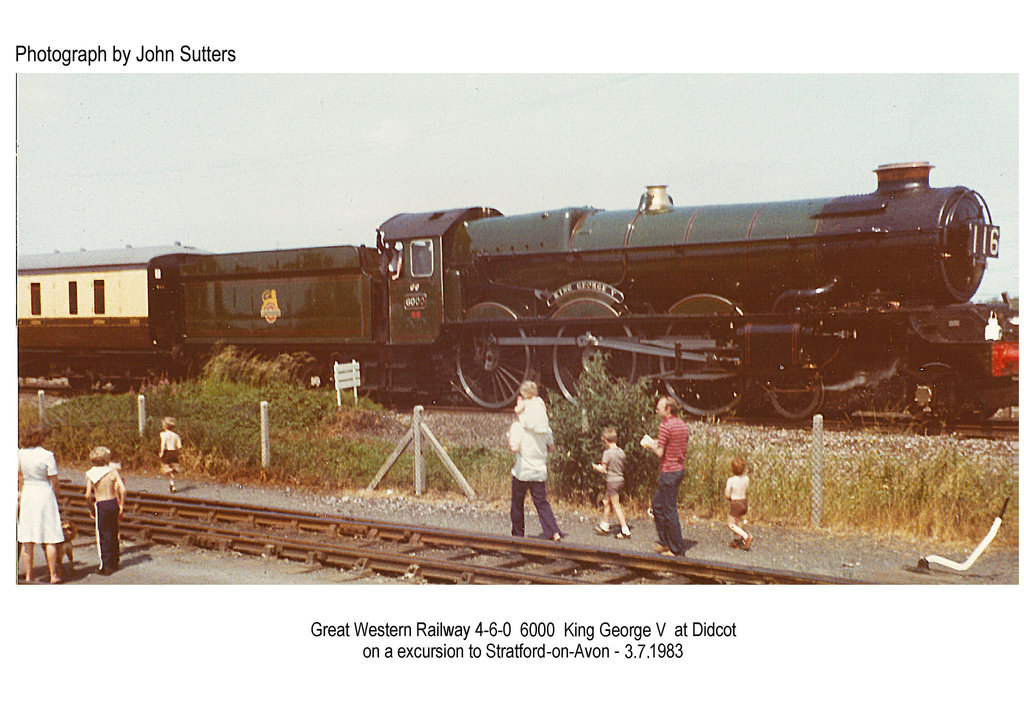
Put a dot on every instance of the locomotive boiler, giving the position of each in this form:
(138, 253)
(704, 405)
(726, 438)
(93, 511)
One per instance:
(906, 242)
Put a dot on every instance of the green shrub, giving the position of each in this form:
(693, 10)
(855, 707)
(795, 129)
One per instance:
(602, 401)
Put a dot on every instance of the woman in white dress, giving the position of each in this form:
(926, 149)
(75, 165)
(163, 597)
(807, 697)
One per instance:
(38, 515)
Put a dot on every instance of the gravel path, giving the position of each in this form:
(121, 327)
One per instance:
(855, 557)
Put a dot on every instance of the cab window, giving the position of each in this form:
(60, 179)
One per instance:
(421, 258)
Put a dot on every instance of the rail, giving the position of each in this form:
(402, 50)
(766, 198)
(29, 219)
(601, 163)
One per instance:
(414, 551)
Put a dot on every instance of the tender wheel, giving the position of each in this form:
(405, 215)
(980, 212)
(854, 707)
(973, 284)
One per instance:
(569, 361)
(798, 396)
(490, 374)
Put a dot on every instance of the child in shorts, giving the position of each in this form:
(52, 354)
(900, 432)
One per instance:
(105, 487)
(532, 412)
(736, 493)
(170, 450)
(612, 465)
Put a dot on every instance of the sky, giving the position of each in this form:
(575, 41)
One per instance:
(237, 162)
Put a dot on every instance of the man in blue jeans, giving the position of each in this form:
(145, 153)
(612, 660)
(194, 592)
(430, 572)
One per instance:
(673, 437)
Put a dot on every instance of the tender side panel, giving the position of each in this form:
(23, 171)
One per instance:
(287, 298)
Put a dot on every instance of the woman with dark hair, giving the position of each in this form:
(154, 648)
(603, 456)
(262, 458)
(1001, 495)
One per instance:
(38, 515)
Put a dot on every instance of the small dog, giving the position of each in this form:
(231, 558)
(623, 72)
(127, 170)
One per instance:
(65, 548)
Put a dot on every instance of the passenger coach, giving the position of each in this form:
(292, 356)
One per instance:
(107, 315)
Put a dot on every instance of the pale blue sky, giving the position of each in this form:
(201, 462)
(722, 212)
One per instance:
(260, 161)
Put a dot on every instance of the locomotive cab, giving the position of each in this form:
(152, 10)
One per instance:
(424, 284)
(415, 295)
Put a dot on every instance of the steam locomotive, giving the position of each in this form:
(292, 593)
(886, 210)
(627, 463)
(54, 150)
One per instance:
(783, 301)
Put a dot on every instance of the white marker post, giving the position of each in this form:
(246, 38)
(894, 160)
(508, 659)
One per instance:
(142, 414)
(817, 452)
(265, 434)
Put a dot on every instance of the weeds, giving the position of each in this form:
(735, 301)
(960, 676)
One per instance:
(946, 495)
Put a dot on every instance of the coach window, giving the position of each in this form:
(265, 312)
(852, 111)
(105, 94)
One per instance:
(421, 258)
(73, 298)
(99, 300)
(37, 299)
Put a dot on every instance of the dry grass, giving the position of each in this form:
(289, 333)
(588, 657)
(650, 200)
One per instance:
(932, 492)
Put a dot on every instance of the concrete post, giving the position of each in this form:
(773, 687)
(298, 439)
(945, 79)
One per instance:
(142, 415)
(42, 409)
(817, 452)
(265, 434)
(417, 448)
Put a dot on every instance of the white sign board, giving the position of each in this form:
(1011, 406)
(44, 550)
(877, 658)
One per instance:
(345, 376)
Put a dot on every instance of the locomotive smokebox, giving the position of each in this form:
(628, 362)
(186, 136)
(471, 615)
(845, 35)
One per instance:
(903, 176)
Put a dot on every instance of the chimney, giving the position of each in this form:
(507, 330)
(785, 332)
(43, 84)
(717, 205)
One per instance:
(902, 176)
(656, 199)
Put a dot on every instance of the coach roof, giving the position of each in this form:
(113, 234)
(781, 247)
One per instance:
(128, 256)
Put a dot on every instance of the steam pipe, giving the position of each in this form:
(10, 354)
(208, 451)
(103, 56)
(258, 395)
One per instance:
(805, 294)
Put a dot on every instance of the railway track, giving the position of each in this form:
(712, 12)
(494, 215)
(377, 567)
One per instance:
(416, 552)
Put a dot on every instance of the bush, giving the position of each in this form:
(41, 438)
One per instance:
(312, 441)
(602, 401)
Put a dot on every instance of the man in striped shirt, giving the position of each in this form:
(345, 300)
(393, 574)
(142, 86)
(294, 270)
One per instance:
(673, 436)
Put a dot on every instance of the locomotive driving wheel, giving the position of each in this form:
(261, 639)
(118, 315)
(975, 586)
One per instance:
(712, 388)
(797, 396)
(569, 361)
(490, 374)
